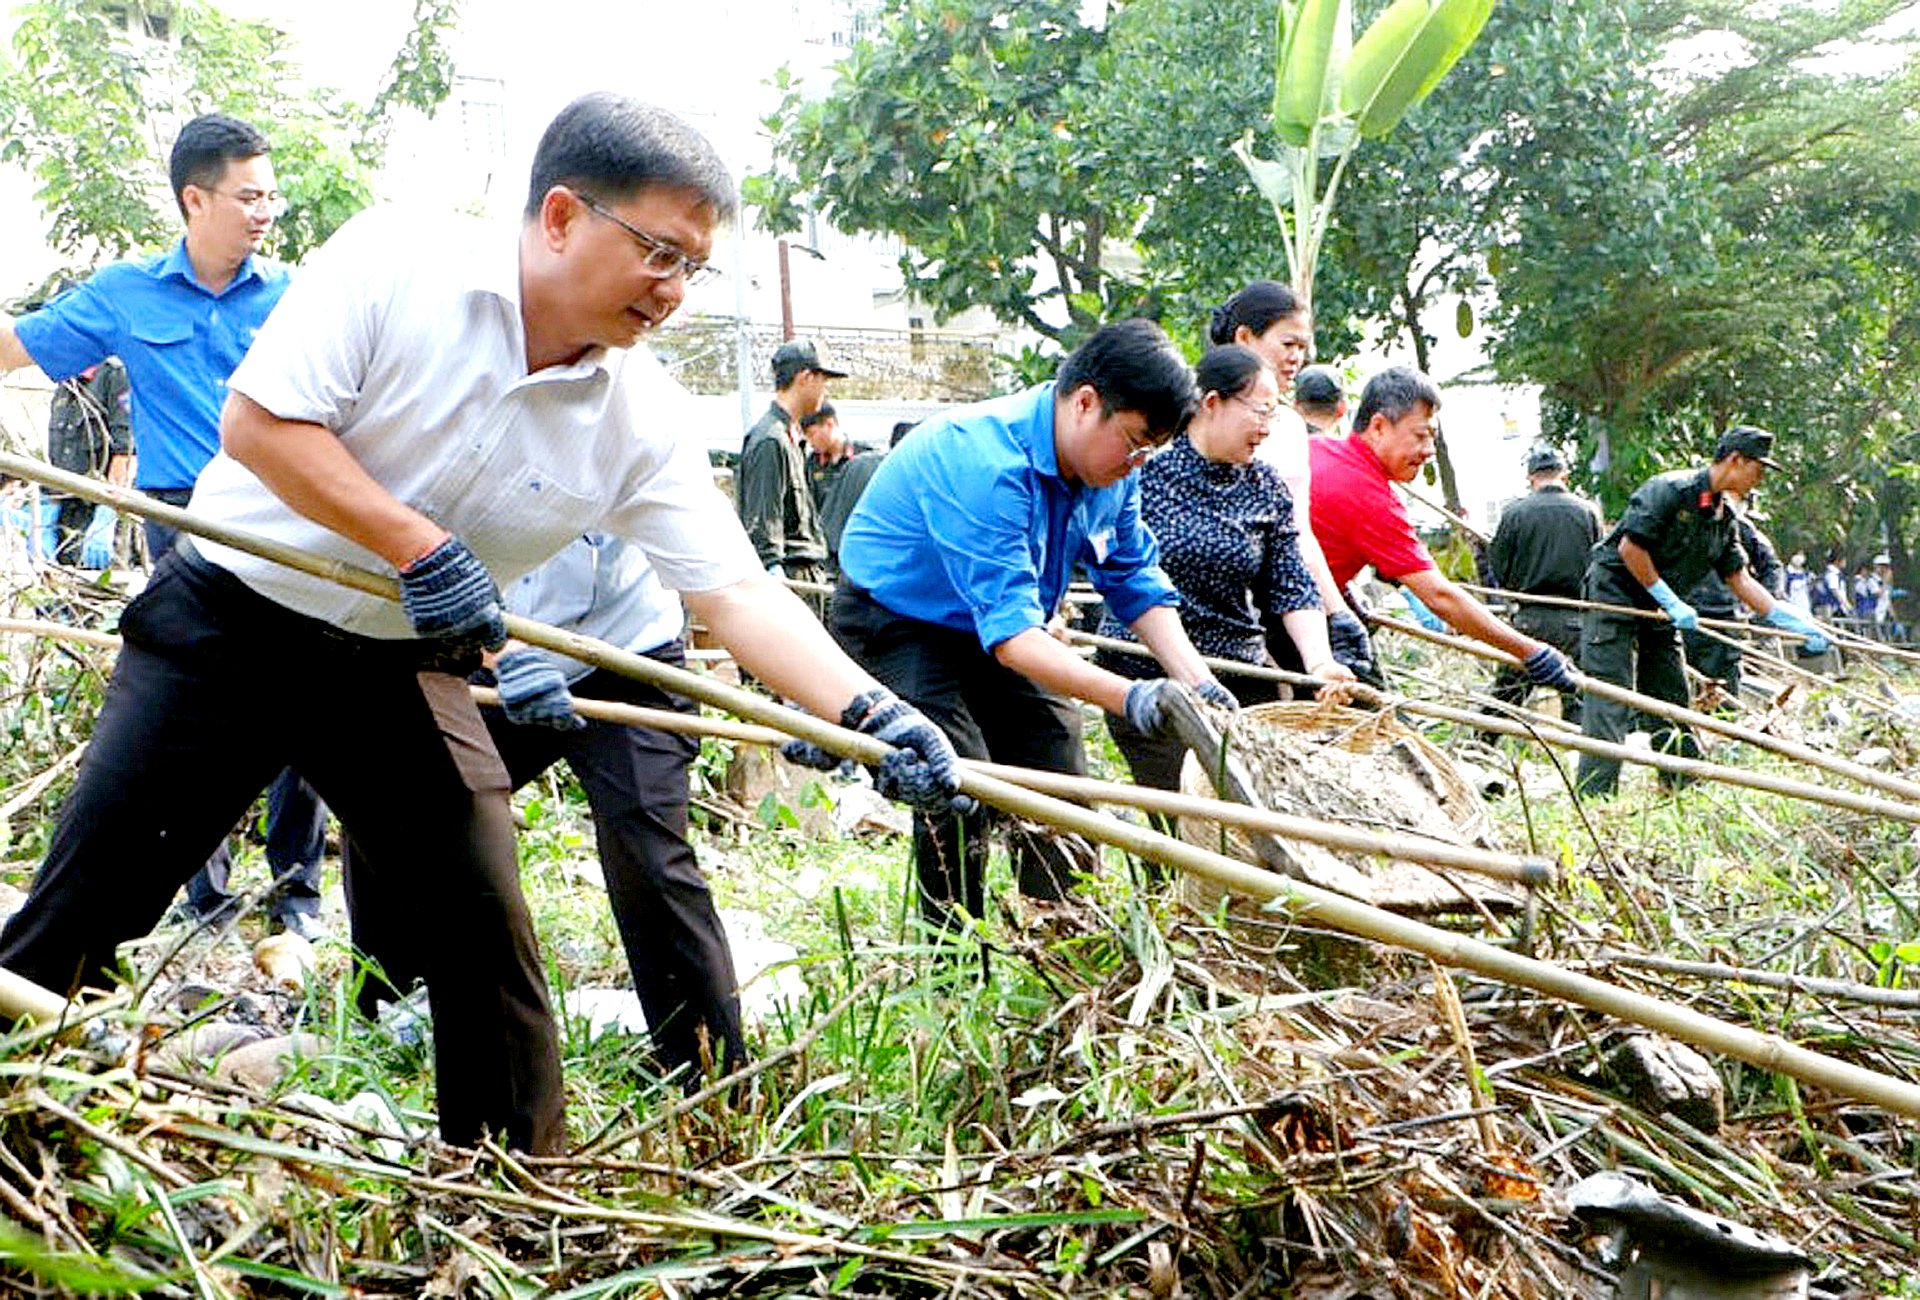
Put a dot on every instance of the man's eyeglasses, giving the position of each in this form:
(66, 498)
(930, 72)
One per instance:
(663, 261)
(1140, 445)
(1266, 413)
(271, 202)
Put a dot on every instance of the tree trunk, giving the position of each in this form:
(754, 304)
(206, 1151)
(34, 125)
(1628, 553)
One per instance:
(1896, 502)
(1411, 303)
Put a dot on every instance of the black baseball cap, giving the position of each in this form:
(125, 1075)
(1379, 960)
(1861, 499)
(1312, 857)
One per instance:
(796, 355)
(1751, 442)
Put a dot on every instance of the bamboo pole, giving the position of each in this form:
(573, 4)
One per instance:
(1818, 986)
(1570, 602)
(1304, 901)
(1178, 805)
(1679, 713)
(1410, 848)
(1555, 733)
(22, 999)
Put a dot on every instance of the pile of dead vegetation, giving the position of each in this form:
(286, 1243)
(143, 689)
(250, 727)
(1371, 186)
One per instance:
(1107, 1097)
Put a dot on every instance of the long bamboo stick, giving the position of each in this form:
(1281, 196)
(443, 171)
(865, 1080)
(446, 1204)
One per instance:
(1634, 611)
(1678, 713)
(1819, 986)
(1555, 733)
(1177, 805)
(1304, 901)
(1410, 848)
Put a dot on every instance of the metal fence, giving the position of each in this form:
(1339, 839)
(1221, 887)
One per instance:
(882, 364)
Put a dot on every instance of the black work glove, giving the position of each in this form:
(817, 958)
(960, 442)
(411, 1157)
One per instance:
(1548, 667)
(923, 771)
(533, 692)
(449, 596)
(1351, 645)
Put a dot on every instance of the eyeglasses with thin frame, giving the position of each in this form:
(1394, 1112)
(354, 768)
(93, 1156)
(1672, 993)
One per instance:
(1138, 447)
(272, 202)
(1266, 413)
(663, 261)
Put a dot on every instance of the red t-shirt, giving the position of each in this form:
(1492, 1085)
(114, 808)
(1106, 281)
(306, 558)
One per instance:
(1357, 516)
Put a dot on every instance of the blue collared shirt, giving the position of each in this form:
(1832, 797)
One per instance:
(179, 341)
(968, 524)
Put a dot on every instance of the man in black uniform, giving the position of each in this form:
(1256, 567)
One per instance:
(1678, 526)
(1715, 656)
(776, 505)
(1540, 549)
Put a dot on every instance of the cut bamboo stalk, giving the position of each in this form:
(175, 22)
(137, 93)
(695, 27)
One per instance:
(1410, 848)
(1678, 713)
(1846, 990)
(1634, 611)
(1303, 901)
(1555, 733)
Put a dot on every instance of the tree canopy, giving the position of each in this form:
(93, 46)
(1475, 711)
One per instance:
(88, 112)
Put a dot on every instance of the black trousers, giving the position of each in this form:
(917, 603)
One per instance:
(216, 690)
(1643, 655)
(1559, 628)
(1713, 656)
(296, 819)
(636, 781)
(988, 711)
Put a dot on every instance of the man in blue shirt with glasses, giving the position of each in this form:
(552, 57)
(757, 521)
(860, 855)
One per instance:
(181, 321)
(960, 551)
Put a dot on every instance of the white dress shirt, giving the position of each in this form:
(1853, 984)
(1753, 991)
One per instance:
(403, 336)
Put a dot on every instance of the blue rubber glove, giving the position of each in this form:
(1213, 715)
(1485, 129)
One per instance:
(1783, 615)
(449, 595)
(1683, 615)
(533, 692)
(48, 534)
(923, 771)
(1351, 644)
(96, 544)
(1548, 667)
(1421, 614)
(1212, 692)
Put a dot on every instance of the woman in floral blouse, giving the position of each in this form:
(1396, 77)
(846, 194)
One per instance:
(1225, 524)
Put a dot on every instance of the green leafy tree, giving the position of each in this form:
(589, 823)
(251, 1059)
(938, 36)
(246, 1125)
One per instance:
(957, 129)
(86, 111)
(1331, 91)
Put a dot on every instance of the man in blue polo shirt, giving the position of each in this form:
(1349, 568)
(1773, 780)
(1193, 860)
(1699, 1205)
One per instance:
(960, 551)
(180, 322)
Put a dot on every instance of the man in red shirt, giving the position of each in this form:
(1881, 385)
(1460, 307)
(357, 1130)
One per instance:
(1360, 519)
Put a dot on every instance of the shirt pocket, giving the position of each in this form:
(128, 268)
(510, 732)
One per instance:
(157, 329)
(525, 518)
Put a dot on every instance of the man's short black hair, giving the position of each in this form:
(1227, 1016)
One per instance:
(1394, 392)
(204, 148)
(821, 416)
(1134, 366)
(1318, 389)
(901, 428)
(612, 147)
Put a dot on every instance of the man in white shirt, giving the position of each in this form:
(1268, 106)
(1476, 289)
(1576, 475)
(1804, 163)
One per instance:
(453, 405)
